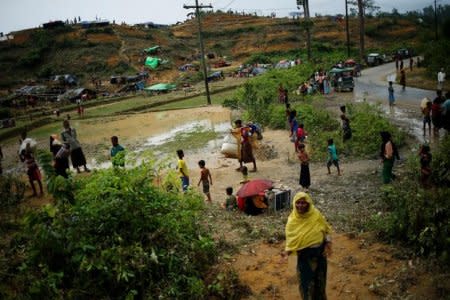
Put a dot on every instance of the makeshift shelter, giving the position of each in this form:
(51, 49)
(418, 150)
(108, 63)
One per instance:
(75, 94)
(216, 76)
(258, 71)
(152, 50)
(188, 67)
(152, 62)
(66, 79)
(132, 87)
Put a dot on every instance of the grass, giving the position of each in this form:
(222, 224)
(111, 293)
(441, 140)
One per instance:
(197, 138)
(198, 101)
(420, 79)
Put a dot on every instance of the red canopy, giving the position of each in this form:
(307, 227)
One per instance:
(350, 62)
(254, 187)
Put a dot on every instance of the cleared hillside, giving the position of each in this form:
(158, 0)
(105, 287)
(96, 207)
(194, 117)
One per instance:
(117, 49)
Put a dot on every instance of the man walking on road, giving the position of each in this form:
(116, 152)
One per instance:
(441, 79)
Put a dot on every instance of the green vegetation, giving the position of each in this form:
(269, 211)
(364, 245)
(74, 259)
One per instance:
(113, 235)
(259, 97)
(12, 191)
(418, 217)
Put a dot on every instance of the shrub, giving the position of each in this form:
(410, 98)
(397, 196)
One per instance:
(121, 237)
(5, 113)
(367, 121)
(12, 190)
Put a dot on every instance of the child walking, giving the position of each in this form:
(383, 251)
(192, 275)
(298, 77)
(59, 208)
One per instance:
(183, 170)
(305, 178)
(332, 157)
(205, 179)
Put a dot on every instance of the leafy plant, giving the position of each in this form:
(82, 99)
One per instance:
(120, 237)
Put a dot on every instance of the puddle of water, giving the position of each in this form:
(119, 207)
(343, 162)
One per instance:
(210, 152)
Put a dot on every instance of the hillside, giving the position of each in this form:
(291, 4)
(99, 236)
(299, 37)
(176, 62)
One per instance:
(117, 49)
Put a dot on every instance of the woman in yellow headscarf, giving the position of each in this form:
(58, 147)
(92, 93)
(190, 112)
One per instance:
(307, 233)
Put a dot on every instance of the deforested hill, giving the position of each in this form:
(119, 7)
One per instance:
(99, 52)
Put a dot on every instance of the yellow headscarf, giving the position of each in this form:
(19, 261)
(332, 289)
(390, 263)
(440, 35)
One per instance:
(305, 230)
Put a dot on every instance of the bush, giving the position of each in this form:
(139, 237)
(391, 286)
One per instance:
(121, 238)
(12, 190)
(5, 113)
(366, 122)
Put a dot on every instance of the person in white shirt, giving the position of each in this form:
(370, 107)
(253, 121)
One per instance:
(441, 79)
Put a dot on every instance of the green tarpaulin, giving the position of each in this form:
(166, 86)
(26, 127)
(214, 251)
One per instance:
(161, 87)
(152, 50)
(152, 62)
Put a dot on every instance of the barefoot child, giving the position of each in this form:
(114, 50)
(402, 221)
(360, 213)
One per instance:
(332, 157)
(205, 179)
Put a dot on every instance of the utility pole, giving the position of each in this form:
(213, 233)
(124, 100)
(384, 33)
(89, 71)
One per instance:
(305, 4)
(435, 21)
(347, 28)
(202, 48)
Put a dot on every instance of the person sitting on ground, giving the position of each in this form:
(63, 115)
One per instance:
(244, 171)
(230, 201)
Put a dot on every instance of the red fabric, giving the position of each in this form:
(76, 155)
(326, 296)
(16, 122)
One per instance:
(241, 203)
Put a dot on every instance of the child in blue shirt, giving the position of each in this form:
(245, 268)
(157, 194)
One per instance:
(332, 157)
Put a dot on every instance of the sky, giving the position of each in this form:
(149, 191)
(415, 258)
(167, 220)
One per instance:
(23, 14)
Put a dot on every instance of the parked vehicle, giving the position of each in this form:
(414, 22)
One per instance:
(403, 53)
(375, 59)
(342, 79)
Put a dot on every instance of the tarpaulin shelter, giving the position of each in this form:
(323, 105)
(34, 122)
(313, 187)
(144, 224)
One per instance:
(257, 71)
(152, 62)
(152, 50)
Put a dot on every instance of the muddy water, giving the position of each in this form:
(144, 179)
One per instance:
(137, 133)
